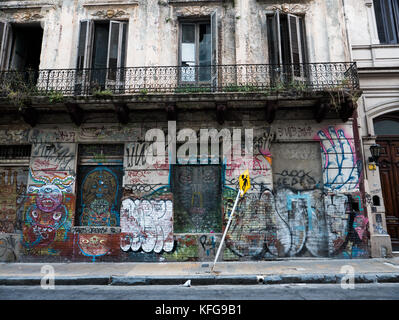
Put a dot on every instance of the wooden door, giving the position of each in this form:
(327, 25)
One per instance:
(389, 174)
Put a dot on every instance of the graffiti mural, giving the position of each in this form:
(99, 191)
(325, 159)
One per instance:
(99, 195)
(96, 246)
(48, 216)
(341, 168)
(147, 225)
(12, 194)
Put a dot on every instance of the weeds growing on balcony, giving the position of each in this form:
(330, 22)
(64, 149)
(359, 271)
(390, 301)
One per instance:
(19, 87)
(55, 96)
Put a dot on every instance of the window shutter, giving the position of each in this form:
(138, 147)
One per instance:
(85, 44)
(4, 48)
(295, 45)
(396, 14)
(214, 48)
(277, 56)
(116, 45)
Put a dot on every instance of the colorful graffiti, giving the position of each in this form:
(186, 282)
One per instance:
(341, 169)
(96, 246)
(285, 223)
(12, 193)
(147, 225)
(48, 217)
(99, 195)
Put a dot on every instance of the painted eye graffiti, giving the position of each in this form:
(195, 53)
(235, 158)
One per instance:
(57, 215)
(34, 214)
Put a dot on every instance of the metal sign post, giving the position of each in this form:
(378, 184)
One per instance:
(244, 183)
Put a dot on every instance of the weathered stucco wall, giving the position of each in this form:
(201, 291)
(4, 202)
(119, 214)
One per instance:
(304, 199)
(153, 30)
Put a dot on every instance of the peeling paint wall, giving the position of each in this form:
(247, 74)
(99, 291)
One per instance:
(304, 199)
(305, 175)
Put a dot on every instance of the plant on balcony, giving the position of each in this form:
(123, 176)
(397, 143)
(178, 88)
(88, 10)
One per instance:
(19, 88)
(192, 89)
(102, 94)
(241, 88)
(55, 96)
(340, 92)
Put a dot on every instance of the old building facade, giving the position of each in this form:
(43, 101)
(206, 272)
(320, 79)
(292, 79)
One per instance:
(88, 85)
(373, 27)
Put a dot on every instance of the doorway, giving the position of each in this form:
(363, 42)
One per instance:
(387, 130)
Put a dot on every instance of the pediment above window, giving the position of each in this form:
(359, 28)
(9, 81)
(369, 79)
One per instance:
(293, 8)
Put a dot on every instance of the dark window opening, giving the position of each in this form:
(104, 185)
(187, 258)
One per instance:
(387, 18)
(287, 47)
(101, 55)
(21, 46)
(15, 152)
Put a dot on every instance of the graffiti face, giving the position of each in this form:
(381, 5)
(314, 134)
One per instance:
(49, 198)
(45, 216)
(99, 191)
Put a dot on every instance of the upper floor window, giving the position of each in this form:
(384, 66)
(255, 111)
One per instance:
(198, 49)
(286, 34)
(20, 46)
(387, 16)
(102, 47)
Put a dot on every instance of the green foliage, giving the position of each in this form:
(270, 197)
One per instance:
(192, 89)
(55, 96)
(19, 88)
(102, 94)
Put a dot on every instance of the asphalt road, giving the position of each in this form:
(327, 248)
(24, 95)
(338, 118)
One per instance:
(386, 291)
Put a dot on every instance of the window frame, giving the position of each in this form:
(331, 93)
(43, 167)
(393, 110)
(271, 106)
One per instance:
(382, 23)
(275, 36)
(213, 22)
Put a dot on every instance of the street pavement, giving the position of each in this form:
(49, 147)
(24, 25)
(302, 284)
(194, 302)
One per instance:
(284, 271)
(215, 293)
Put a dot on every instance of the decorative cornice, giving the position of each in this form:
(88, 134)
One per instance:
(194, 11)
(110, 13)
(111, 4)
(289, 8)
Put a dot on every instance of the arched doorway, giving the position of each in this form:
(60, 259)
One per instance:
(386, 128)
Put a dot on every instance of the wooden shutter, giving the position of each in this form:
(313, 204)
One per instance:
(85, 44)
(214, 48)
(295, 44)
(116, 48)
(5, 35)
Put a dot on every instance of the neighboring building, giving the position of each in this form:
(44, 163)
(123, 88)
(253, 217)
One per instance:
(373, 27)
(85, 83)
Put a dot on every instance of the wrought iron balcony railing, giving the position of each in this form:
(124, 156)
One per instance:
(182, 79)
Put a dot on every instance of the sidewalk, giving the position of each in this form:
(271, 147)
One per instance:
(310, 270)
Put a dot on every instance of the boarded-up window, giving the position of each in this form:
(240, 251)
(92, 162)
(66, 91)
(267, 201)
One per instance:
(197, 198)
(297, 166)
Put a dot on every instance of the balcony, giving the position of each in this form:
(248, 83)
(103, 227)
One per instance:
(298, 85)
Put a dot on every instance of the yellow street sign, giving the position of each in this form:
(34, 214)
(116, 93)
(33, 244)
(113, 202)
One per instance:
(245, 183)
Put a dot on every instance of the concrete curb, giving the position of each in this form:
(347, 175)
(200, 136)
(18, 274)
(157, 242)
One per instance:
(180, 280)
(63, 281)
(203, 279)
